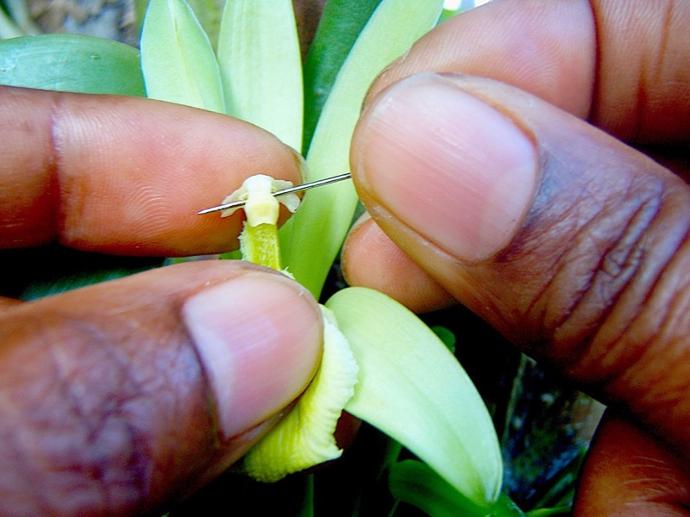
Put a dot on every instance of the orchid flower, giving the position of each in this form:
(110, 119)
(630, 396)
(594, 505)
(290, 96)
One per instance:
(398, 375)
(381, 363)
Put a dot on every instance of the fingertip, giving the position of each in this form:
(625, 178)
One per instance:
(259, 340)
(371, 259)
(526, 44)
(146, 360)
(628, 468)
(453, 168)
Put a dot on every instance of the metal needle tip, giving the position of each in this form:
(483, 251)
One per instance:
(296, 188)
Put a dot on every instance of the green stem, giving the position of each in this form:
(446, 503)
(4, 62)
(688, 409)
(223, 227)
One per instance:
(259, 245)
(514, 396)
(394, 508)
(307, 509)
(391, 455)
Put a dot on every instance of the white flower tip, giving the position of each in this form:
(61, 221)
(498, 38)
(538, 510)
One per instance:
(261, 206)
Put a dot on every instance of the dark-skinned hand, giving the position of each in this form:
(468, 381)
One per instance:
(500, 161)
(125, 396)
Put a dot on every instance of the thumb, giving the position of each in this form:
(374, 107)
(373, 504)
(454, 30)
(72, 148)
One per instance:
(570, 243)
(120, 397)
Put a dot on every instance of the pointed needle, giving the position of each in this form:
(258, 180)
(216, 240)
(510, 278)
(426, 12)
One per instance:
(290, 190)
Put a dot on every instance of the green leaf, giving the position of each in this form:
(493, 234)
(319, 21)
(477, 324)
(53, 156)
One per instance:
(311, 239)
(19, 10)
(259, 56)
(412, 388)
(177, 59)
(40, 289)
(414, 483)
(72, 63)
(447, 14)
(340, 24)
(549, 512)
(307, 508)
(208, 12)
(140, 7)
(446, 335)
(8, 29)
(37, 272)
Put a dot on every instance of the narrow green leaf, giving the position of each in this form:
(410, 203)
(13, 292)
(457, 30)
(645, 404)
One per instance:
(340, 24)
(177, 59)
(140, 7)
(506, 507)
(446, 335)
(22, 17)
(550, 512)
(307, 508)
(8, 29)
(33, 273)
(72, 63)
(208, 12)
(447, 14)
(311, 239)
(414, 483)
(260, 63)
(412, 388)
(40, 289)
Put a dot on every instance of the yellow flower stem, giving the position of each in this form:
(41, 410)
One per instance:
(259, 245)
(305, 436)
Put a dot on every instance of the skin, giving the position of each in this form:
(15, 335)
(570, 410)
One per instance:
(123, 396)
(597, 283)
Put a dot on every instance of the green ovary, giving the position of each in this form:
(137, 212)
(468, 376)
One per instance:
(304, 437)
(259, 245)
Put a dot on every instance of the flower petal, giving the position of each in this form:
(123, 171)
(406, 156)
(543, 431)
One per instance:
(305, 436)
(413, 389)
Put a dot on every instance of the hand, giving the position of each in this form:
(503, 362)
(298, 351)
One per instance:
(121, 397)
(499, 185)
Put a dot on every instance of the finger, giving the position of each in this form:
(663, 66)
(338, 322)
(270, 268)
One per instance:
(624, 64)
(570, 243)
(628, 472)
(371, 259)
(116, 398)
(6, 303)
(124, 175)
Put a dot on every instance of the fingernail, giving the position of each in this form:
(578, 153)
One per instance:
(259, 339)
(449, 166)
